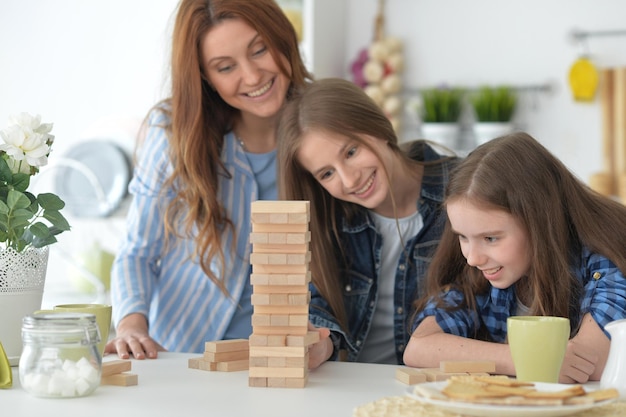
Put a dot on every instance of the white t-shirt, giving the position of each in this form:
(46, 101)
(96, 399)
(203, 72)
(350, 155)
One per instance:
(379, 346)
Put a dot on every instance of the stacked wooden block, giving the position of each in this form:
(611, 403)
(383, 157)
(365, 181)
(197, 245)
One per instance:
(223, 355)
(280, 280)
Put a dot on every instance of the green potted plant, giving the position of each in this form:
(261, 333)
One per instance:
(29, 223)
(440, 111)
(494, 108)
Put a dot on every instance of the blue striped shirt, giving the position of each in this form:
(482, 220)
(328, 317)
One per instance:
(603, 296)
(165, 283)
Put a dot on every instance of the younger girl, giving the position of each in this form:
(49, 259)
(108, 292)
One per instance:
(524, 237)
(375, 218)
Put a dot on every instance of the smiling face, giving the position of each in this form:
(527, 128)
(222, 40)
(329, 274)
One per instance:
(492, 241)
(347, 169)
(240, 67)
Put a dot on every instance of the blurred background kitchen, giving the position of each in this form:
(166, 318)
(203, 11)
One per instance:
(94, 68)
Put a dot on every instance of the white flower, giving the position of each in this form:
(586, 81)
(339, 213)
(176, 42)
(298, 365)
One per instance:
(32, 124)
(26, 142)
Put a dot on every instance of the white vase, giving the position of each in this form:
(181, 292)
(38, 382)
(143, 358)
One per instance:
(446, 134)
(22, 279)
(485, 131)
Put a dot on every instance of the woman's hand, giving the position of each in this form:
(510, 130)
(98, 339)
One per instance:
(132, 337)
(320, 351)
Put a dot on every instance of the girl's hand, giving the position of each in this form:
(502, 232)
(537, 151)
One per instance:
(322, 350)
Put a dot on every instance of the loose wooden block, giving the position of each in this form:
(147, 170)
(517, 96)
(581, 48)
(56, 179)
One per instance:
(124, 379)
(194, 363)
(115, 367)
(202, 364)
(410, 376)
(226, 345)
(435, 374)
(279, 206)
(226, 356)
(467, 366)
(233, 366)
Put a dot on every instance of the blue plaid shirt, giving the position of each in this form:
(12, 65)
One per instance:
(604, 297)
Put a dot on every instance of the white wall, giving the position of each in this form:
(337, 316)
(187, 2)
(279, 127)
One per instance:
(77, 62)
(93, 68)
(505, 41)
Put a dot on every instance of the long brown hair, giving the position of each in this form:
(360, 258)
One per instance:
(200, 118)
(337, 106)
(560, 214)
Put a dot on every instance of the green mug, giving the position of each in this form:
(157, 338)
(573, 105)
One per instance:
(103, 318)
(538, 345)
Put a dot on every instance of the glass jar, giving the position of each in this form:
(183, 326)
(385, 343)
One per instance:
(60, 357)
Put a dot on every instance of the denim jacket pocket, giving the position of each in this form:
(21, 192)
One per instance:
(422, 255)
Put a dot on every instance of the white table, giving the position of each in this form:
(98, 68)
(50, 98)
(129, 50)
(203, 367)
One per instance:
(168, 387)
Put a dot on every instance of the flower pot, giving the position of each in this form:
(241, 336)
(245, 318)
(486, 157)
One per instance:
(22, 279)
(485, 131)
(446, 134)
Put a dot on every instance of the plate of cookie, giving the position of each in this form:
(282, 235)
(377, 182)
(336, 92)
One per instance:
(497, 396)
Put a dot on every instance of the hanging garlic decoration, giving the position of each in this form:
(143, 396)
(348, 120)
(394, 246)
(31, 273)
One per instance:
(377, 70)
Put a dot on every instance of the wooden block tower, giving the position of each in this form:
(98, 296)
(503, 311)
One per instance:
(280, 280)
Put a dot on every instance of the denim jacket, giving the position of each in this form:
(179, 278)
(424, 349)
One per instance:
(362, 245)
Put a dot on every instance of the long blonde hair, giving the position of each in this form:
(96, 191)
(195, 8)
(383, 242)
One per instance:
(337, 106)
(200, 117)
